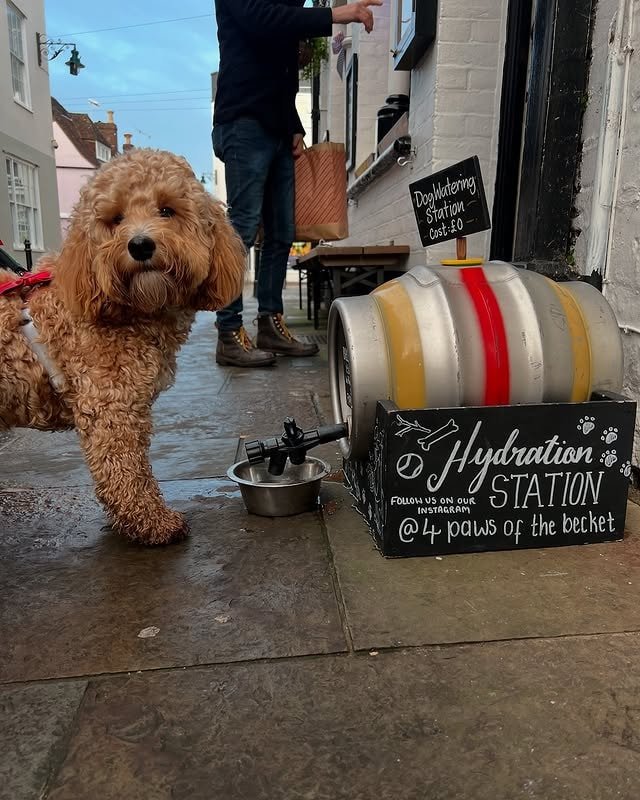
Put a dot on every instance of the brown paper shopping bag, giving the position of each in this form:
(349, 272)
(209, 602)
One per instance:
(321, 193)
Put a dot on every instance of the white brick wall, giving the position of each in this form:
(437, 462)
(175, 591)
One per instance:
(455, 110)
(623, 272)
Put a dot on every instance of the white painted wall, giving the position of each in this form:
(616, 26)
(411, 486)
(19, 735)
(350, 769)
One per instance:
(454, 114)
(373, 79)
(622, 288)
(304, 102)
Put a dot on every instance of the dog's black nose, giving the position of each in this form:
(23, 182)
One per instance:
(141, 248)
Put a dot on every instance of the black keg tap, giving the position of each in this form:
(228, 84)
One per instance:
(293, 444)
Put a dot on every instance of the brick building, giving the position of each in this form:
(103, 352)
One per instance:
(454, 110)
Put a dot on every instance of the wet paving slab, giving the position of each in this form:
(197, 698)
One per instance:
(479, 597)
(188, 442)
(36, 723)
(197, 423)
(556, 720)
(55, 459)
(79, 600)
(286, 658)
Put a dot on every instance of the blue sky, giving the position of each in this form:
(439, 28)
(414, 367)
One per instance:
(156, 78)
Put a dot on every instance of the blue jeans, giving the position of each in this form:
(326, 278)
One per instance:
(260, 187)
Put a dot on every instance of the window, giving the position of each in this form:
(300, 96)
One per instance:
(414, 24)
(351, 115)
(404, 18)
(17, 56)
(24, 202)
(103, 153)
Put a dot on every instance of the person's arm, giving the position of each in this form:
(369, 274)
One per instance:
(356, 12)
(267, 18)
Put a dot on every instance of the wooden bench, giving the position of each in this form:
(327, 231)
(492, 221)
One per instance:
(346, 270)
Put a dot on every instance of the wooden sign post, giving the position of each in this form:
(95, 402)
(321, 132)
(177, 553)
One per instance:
(451, 204)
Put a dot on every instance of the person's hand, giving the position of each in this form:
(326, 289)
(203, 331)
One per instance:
(298, 145)
(356, 12)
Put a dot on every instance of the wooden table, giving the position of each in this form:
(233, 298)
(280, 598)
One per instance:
(345, 269)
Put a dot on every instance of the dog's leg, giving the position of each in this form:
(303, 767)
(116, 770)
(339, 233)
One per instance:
(116, 447)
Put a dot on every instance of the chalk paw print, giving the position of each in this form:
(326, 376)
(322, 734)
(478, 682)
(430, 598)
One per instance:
(609, 458)
(609, 435)
(587, 424)
(625, 469)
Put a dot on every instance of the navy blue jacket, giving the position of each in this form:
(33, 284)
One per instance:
(258, 74)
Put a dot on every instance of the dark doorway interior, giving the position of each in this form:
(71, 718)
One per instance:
(512, 108)
(544, 87)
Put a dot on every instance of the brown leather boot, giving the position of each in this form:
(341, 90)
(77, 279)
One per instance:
(274, 335)
(235, 349)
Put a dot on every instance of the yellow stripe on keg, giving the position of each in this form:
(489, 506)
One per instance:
(403, 344)
(580, 344)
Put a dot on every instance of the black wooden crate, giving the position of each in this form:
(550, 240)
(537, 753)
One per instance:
(460, 480)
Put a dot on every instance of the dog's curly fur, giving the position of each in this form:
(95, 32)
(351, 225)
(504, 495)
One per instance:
(114, 325)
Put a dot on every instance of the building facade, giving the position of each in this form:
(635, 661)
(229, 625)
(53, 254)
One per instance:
(452, 83)
(608, 199)
(82, 146)
(28, 189)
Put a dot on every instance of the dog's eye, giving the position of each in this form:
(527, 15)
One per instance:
(165, 211)
(117, 219)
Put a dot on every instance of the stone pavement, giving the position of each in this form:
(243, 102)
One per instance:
(286, 659)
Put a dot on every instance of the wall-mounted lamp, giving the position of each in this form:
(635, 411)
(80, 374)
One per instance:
(48, 49)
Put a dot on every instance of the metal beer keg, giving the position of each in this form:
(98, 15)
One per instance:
(468, 336)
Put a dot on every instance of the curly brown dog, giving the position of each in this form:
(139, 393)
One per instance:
(146, 248)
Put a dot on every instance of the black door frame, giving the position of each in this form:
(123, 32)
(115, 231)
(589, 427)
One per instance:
(512, 108)
(545, 121)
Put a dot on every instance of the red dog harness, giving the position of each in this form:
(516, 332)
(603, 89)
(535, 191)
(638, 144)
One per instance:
(23, 285)
(26, 282)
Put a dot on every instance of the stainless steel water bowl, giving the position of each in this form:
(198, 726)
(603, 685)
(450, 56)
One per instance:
(293, 492)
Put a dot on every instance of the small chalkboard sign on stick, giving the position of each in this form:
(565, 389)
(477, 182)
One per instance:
(451, 204)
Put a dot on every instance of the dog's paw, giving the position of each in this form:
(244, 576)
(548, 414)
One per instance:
(164, 528)
(168, 528)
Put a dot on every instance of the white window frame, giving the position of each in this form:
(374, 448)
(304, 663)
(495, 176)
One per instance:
(103, 153)
(29, 202)
(414, 30)
(402, 17)
(19, 57)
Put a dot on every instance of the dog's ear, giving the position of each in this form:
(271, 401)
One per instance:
(227, 260)
(73, 273)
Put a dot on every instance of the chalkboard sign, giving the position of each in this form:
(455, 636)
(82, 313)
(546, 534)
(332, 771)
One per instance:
(456, 480)
(451, 203)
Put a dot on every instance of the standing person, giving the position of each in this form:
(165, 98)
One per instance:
(257, 133)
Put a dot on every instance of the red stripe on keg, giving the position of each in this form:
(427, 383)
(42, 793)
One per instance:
(494, 336)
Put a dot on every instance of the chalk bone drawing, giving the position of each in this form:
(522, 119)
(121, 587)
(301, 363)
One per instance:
(432, 436)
